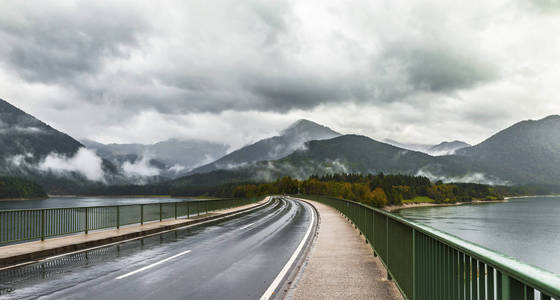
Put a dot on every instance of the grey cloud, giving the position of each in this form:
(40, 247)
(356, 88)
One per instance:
(55, 45)
(71, 46)
(437, 67)
(289, 91)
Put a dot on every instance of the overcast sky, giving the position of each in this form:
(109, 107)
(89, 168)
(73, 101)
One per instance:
(235, 71)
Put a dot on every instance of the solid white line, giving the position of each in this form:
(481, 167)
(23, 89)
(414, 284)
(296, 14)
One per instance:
(274, 285)
(153, 265)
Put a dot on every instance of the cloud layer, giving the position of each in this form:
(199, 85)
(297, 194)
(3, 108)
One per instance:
(236, 71)
(85, 162)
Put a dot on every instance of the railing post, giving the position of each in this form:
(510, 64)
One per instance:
(42, 224)
(188, 211)
(373, 230)
(141, 214)
(118, 217)
(387, 246)
(511, 289)
(86, 221)
(175, 210)
(414, 277)
(160, 211)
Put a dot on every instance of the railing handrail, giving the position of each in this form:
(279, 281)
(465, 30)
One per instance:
(121, 205)
(539, 278)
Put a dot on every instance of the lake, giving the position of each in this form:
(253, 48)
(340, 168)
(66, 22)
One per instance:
(57, 202)
(525, 228)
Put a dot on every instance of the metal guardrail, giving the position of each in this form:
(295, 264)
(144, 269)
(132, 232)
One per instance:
(429, 264)
(35, 224)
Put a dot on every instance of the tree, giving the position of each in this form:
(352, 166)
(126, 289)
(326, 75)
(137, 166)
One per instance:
(379, 197)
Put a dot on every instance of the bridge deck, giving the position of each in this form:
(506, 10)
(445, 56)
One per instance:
(341, 265)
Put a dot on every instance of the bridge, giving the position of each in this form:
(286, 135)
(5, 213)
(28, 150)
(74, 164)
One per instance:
(249, 249)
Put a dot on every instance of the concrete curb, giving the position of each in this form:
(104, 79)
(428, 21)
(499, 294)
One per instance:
(32, 257)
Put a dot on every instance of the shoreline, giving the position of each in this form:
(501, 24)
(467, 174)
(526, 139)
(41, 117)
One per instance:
(531, 196)
(393, 208)
(110, 196)
(23, 199)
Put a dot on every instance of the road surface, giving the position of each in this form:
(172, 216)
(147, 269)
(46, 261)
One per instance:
(232, 259)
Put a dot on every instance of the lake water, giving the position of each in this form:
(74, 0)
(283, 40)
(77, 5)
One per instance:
(57, 202)
(526, 228)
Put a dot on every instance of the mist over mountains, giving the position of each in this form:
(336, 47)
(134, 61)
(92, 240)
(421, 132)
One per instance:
(526, 153)
(33, 149)
(23, 134)
(290, 139)
(443, 148)
(350, 154)
(168, 158)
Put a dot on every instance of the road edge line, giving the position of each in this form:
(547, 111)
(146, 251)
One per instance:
(269, 293)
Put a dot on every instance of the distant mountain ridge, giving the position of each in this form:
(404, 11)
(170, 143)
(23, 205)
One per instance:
(290, 139)
(526, 152)
(172, 157)
(443, 148)
(409, 146)
(446, 148)
(343, 154)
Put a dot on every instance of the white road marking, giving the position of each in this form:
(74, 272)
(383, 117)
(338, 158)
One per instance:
(261, 221)
(274, 285)
(246, 226)
(153, 265)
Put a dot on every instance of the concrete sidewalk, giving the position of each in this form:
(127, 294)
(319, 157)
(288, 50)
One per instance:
(341, 265)
(30, 251)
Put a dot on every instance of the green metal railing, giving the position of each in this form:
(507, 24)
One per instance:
(428, 264)
(35, 224)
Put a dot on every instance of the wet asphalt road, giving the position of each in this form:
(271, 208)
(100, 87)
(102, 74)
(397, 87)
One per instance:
(232, 259)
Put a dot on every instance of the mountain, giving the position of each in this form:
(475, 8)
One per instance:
(343, 154)
(446, 148)
(34, 150)
(527, 152)
(171, 157)
(360, 154)
(289, 140)
(443, 148)
(356, 154)
(23, 134)
(414, 147)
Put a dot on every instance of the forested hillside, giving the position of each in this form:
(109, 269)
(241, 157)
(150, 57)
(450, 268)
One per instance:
(18, 188)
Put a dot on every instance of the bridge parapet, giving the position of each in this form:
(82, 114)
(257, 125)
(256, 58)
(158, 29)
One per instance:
(34, 224)
(426, 263)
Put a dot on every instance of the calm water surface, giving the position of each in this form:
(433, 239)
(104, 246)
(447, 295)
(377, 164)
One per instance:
(527, 229)
(56, 202)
